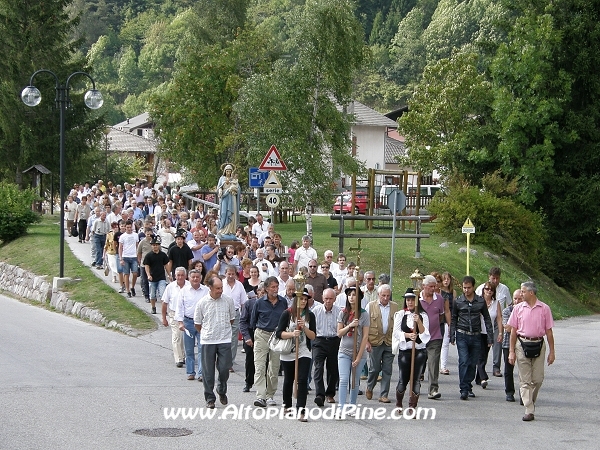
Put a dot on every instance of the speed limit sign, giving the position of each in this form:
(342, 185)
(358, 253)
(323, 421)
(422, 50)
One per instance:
(272, 200)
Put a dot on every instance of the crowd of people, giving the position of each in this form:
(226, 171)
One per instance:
(344, 323)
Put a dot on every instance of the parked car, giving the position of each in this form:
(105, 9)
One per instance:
(343, 203)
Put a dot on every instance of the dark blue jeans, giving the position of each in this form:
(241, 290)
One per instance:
(469, 348)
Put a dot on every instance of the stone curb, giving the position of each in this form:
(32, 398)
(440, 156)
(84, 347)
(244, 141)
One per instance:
(30, 286)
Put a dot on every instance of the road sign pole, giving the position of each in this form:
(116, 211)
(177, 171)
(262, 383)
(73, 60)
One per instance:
(468, 250)
(393, 237)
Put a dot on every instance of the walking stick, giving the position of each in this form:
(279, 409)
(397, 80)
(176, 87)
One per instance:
(412, 353)
(353, 370)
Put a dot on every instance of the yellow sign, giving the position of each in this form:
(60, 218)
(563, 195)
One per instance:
(468, 227)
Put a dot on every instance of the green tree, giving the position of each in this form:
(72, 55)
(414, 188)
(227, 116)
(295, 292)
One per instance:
(34, 35)
(194, 116)
(449, 126)
(301, 105)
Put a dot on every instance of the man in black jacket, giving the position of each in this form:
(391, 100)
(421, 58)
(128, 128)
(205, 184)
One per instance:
(465, 330)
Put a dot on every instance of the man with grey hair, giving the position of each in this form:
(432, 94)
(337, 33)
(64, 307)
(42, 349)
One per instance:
(369, 289)
(381, 313)
(435, 307)
(529, 322)
(169, 299)
(304, 254)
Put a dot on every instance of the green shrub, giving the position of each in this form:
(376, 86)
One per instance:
(15, 211)
(500, 222)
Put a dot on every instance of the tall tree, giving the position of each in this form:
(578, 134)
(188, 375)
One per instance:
(194, 115)
(35, 35)
(301, 106)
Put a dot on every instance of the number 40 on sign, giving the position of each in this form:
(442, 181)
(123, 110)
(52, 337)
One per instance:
(272, 200)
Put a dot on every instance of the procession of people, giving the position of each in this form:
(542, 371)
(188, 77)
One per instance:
(217, 279)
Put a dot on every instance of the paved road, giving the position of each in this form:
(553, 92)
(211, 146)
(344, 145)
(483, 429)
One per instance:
(70, 384)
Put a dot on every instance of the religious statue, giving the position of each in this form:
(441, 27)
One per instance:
(228, 190)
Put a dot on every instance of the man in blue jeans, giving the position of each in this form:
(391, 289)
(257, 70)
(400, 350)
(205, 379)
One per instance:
(465, 330)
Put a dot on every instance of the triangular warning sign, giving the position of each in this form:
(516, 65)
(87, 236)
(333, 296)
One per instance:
(272, 160)
(272, 181)
(468, 223)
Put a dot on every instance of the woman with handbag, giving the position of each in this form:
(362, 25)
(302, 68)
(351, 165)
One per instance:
(353, 329)
(297, 322)
(489, 295)
(110, 250)
(410, 328)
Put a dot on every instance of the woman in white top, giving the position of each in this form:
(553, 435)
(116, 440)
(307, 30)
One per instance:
(167, 235)
(489, 295)
(404, 337)
(297, 321)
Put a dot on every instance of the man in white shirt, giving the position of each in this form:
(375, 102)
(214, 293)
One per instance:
(184, 315)
(304, 254)
(234, 289)
(325, 348)
(504, 299)
(169, 303)
(128, 242)
(341, 273)
(284, 276)
(196, 244)
(213, 317)
(260, 226)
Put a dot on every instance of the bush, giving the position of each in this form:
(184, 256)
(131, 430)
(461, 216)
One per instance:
(500, 223)
(15, 211)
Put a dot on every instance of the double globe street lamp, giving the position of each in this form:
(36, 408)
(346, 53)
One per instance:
(31, 96)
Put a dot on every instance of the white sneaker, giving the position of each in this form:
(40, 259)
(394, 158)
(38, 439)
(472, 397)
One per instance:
(271, 402)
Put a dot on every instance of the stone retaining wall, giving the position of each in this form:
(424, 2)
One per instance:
(23, 283)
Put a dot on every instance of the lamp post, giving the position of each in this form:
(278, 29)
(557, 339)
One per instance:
(31, 96)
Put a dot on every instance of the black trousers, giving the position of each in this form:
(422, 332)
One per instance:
(325, 356)
(509, 369)
(249, 364)
(81, 228)
(481, 373)
(289, 371)
(404, 359)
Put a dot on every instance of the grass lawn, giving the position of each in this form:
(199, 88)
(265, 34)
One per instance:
(376, 255)
(38, 252)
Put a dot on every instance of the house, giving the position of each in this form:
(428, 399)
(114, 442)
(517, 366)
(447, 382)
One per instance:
(376, 138)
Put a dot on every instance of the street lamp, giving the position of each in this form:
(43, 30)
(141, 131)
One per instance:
(31, 96)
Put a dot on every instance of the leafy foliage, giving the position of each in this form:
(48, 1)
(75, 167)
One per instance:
(16, 214)
(501, 223)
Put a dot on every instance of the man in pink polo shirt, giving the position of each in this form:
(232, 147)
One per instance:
(530, 321)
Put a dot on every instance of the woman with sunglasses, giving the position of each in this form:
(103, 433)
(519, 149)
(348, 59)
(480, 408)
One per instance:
(489, 295)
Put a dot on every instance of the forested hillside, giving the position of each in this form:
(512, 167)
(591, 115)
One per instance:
(505, 87)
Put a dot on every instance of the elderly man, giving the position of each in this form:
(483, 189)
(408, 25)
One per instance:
(504, 299)
(529, 322)
(264, 320)
(184, 315)
(213, 318)
(260, 226)
(325, 348)
(369, 289)
(381, 358)
(100, 229)
(316, 280)
(234, 289)
(435, 307)
(169, 299)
